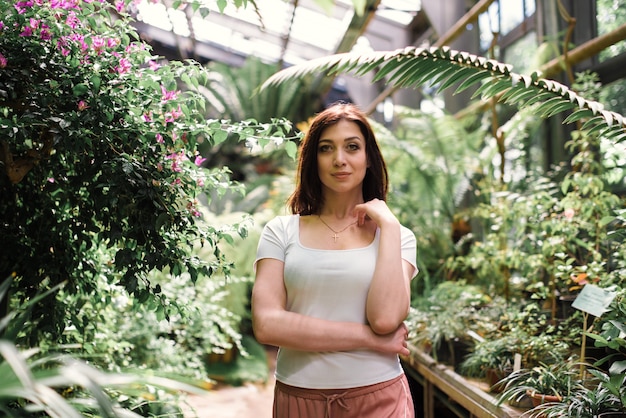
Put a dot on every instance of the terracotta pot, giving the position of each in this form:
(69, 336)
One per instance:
(540, 398)
(493, 378)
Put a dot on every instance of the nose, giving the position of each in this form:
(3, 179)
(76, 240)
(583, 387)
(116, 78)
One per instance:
(339, 159)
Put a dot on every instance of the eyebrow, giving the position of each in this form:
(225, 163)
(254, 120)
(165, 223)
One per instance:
(350, 138)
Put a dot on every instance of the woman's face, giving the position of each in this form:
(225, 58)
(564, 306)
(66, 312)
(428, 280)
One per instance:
(341, 157)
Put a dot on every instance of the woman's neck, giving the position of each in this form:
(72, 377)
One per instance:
(339, 209)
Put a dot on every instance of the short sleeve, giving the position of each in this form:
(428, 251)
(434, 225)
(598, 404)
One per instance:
(409, 249)
(273, 240)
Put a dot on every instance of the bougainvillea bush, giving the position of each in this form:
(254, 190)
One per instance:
(98, 157)
(100, 188)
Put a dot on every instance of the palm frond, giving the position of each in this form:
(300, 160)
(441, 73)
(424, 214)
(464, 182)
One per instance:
(413, 67)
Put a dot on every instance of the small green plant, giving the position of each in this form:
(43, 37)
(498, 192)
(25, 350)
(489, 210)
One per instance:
(61, 385)
(585, 401)
(447, 316)
(496, 355)
(612, 337)
(545, 380)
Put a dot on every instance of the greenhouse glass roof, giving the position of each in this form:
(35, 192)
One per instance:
(274, 30)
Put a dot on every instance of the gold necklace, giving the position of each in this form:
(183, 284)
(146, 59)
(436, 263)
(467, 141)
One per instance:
(335, 236)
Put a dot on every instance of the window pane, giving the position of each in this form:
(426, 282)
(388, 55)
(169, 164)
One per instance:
(511, 15)
(488, 24)
(610, 16)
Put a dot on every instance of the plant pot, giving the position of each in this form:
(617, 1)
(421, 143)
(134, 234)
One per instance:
(452, 351)
(493, 377)
(524, 403)
(540, 398)
(565, 305)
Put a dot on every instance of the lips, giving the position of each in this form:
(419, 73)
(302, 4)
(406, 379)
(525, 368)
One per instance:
(341, 175)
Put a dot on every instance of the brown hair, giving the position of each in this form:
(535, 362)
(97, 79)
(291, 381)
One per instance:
(307, 198)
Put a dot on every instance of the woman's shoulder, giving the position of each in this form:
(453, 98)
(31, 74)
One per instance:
(283, 222)
(283, 219)
(406, 233)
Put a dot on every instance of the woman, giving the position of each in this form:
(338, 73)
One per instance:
(333, 279)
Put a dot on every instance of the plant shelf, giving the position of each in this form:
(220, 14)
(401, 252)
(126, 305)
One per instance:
(439, 379)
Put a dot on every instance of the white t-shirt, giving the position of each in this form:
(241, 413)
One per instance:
(333, 285)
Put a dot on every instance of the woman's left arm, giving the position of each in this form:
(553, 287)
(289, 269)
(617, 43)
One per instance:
(389, 296)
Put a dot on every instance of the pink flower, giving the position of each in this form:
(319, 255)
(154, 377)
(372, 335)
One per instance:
(3, 61)
(192, 207)
(154, 65)
(45, 34)
(159, 139)
(72, 21)
(199, 160)
(98, 44)
(113, 42)
(168, 95)
(124, 66)
(64, 4)
(28, 31)
(569, 213)
(173, 115)
(177, 159)
(119, 6)
(21, 6)
(82, 105)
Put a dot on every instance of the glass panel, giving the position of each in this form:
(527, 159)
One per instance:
(488, 23)
(521, 53)
(609, 17)
(511, 15)
(529, 7)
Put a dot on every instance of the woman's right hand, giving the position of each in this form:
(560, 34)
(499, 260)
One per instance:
(395, 342)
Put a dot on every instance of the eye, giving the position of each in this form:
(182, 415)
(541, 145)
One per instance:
(324, 148)
(354, 146)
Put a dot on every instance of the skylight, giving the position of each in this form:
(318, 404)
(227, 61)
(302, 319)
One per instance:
(268, 32)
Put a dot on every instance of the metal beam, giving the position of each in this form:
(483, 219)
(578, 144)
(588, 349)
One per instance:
(454, 32)
(356, 28)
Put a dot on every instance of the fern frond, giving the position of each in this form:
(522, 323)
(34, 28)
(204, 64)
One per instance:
(443, 67)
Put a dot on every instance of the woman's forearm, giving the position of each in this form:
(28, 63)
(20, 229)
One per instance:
(388, 298)
(299, 332)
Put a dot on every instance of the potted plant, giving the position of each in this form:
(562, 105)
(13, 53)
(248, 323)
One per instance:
(612, 337)
(442, 324)
(491, 359)
(545, 383)
(615, 383)
(584, 402)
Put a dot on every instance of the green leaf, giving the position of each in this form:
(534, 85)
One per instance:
(80, 89)
(492, 88)
(219, 137)
(95, 82)
(455, 77)
(292, 149)
(204, 12)
(473, 79)
(161, 221)
(578, 115)
(554, 106)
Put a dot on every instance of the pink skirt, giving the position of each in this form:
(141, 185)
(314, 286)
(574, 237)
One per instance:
(390, 399)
